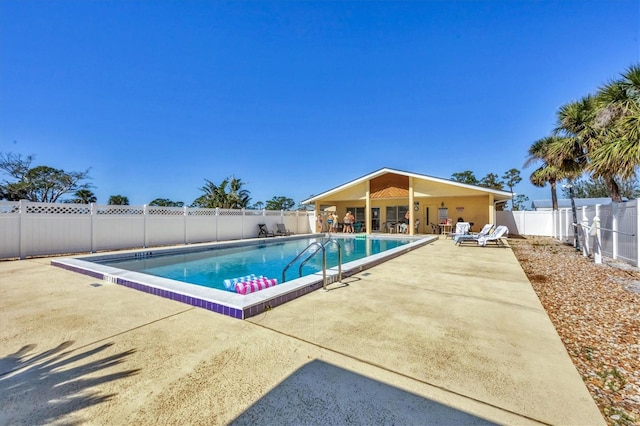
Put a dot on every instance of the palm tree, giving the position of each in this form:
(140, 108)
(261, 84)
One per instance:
(551, 170)
(217, 195)
(577, 123)
(619, 119)
(238, 198)
(84, 196)
(211, 197)
(118, 200)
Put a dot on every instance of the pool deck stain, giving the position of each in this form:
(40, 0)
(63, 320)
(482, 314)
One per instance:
(440, 335)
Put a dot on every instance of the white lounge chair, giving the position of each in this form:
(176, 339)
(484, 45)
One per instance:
(471, 237)
(462, 228)
(495, 236)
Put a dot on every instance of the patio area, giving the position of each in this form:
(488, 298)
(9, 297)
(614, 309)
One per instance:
(442, 334)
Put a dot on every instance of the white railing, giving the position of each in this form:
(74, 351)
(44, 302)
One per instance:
(39, 229)
(618, 224)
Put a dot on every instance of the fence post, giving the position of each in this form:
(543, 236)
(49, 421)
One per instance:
(614, 227)
(22, 211)
(244, 218)
(186, 216)
(597, 249)
(637, 236)
(144, 230)
(216, 216)
(92, 213)
(585, 231)
(560, 224)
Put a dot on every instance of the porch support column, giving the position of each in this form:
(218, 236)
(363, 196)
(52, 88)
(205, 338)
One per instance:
(492, 210)
(411, 212)
(367, 207)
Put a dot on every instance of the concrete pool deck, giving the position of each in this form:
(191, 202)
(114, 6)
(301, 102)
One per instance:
(442, 334)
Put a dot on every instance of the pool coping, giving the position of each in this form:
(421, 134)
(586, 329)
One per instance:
(220, 301)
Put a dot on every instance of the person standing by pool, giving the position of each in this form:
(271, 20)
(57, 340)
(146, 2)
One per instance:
(352, 218)
(404, 228)
(334, 216)
(347, 223)
(330, 222)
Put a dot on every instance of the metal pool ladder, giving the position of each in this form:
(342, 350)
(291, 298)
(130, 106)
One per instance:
(324, 260)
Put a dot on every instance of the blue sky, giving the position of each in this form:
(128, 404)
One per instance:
(296, 97)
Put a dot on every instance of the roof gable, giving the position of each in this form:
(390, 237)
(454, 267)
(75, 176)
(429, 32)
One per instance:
(388, 183)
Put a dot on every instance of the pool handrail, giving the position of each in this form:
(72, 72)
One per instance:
(333, 240)
(324, 270)
(324, 261)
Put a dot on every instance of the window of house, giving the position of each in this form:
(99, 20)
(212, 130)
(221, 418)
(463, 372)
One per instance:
(396, 213)
(358, 212)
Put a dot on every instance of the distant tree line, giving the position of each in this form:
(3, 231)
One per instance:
(510, 179)
(47, 184)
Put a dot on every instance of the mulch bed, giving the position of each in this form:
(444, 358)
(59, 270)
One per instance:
(596, 311)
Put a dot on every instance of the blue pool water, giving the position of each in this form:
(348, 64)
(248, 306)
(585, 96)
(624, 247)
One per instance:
(211, 267)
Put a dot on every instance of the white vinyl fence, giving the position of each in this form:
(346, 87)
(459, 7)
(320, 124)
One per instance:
(39, 229)
(618, 225)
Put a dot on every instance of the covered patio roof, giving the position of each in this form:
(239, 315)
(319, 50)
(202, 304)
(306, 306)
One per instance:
(390, 183)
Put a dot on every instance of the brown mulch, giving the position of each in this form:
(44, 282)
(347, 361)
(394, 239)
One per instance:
(596, 311)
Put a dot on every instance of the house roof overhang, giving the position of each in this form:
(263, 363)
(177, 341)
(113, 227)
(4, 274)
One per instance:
(424, 186)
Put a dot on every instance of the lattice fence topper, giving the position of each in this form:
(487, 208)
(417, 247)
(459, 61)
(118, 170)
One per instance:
(9, 207)
(273, 212)
(165, 211)
(124, 210)
(230, 212)
(201, 212)
(57, 208)
(253, 212)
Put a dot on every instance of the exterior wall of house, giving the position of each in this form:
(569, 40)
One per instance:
(471, 209)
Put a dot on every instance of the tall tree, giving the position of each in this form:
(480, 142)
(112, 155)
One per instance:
(280, 203)
(118, 200)
(491, 180)
(511, 179)
(519, 202)
(465, 177)
(40, 183)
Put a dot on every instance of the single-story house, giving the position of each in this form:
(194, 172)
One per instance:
(380, 200)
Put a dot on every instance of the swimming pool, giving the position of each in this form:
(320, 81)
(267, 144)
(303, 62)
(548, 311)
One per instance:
(105, 267)
(212, 266)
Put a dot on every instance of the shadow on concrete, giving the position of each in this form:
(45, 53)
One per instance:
(38, 388)
(324, 394)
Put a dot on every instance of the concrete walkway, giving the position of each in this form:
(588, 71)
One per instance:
(441, 335)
